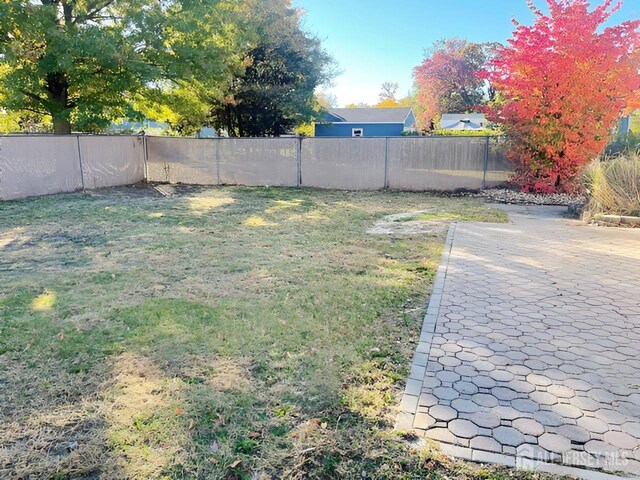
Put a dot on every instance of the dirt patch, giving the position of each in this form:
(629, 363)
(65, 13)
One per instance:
(402, 224)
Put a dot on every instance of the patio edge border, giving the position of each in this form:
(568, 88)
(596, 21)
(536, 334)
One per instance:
(408, 417)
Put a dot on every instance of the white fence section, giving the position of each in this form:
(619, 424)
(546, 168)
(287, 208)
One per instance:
(39, 165)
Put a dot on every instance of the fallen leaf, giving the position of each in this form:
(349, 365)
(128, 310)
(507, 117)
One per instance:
(254, 435)
(179, 411)
(192, 424)
(235, 464)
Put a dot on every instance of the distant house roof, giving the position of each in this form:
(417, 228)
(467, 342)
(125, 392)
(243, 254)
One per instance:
(463, 121)
(369, 115)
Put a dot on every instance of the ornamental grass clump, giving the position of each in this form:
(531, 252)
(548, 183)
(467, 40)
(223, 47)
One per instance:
(613, 186)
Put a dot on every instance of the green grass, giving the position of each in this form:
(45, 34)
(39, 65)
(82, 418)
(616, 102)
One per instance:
(219, 333)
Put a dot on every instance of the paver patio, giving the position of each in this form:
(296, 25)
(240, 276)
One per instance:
(531, 344)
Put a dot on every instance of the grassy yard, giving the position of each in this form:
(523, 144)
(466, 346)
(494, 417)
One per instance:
(215, 333)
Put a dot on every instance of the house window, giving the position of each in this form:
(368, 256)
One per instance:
(357, 132)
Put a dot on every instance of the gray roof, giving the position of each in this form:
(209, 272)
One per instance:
(371, 115)
(463, 121)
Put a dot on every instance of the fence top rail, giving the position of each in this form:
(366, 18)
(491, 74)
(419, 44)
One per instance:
(135, 135)
(69, 135)
(424, 137)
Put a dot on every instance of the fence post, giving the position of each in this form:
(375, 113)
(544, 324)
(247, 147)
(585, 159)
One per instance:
(386, 163)
(299, 162)
(485, 165)
(217, 140)
(80, 161)
(145, 157)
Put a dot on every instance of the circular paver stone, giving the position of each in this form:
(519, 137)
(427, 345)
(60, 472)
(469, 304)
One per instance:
(443, 412)
(543, 398)
(508, 413)
(445, 393)
(447, 376)
(567, 411)
(632, 428)
(508, 436)
(485, 400)
(463, 405)
(487, 444)
(561, 391)
(504, 393)
(449, 361)
(466, 356)
(549, 419)
(430, 382)
(485, 420)
(593, 425)
(519, 369)
(525, 405)
(451, 347)
(539, 380)
(467, 388)
(599, 448)
(484, 366)
(577, 384)
(574, 433)
(612, 417)
(521, 387)
(554, 443)
(463, 428)
(484, 381)
(585, 404)
(502, 375)
(466, 371)
(528, 426)
(427, 400)
(621, 440)
(601, 395)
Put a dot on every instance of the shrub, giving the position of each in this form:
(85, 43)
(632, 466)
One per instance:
(613, 185)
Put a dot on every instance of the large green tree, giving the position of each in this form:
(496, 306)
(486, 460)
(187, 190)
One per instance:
(284, 65)
(86, 62)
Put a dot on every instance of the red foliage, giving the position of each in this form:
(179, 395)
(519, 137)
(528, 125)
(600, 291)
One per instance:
(564, 83)
(447, 78)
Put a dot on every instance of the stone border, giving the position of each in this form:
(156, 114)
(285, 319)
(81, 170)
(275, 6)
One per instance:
(409, 404)
(618, 220)
(480, 456)
(409, 419)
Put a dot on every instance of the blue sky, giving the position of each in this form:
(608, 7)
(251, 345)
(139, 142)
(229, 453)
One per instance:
(374, 41)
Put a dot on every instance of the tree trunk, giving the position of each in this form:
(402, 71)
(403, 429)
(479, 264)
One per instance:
(61, 126)
(58, 93)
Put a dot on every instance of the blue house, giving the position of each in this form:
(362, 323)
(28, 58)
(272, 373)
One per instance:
(366, 122)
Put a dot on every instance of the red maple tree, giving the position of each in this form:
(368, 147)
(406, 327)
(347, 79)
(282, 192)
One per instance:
(563, 84)
(447, 79)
